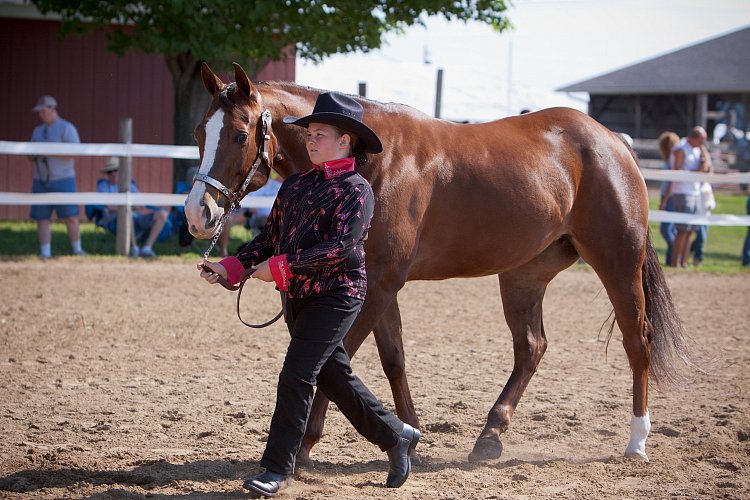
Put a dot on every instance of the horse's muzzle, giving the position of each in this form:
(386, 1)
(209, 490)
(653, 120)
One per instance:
(202, 212)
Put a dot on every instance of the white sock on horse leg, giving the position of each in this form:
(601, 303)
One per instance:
(639, 429)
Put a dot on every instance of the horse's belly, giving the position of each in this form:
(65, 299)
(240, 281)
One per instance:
(467, 254)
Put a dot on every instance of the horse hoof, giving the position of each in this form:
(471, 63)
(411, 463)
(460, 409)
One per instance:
(486, 449)
(636, 455)
(303, 461)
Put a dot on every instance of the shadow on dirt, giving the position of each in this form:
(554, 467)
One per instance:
(146, 475)
(156, 474)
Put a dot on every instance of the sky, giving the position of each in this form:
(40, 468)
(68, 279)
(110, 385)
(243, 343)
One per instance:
(489, 75)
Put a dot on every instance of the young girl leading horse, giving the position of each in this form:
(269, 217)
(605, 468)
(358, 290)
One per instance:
(312, 247)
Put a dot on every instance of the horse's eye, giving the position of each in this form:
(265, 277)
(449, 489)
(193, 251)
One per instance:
(240, 138)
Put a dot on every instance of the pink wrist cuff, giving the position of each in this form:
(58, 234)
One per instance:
(280, 271)
(234, 268)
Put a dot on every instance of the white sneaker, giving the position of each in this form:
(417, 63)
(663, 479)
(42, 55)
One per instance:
(80, 253)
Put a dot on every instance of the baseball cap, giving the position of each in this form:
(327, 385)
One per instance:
(46, 101)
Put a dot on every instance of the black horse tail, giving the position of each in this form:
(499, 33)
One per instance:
(670, 354)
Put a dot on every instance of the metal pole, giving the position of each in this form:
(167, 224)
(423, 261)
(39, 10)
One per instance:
(510, 73)
(362, 89)
(439, 92)
(124, 212)
(701, 109)
(638, 116)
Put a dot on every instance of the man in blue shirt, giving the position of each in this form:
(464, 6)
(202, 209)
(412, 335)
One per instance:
(54, 174)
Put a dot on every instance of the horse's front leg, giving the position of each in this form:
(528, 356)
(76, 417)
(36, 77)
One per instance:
(375, 302)
(389, 340)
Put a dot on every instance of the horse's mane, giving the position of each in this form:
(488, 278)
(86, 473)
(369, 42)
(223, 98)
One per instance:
(382, 107)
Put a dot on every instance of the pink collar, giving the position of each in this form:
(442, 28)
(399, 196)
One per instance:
(334, 168)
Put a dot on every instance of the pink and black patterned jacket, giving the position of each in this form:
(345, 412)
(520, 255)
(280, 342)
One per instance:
(315, 233)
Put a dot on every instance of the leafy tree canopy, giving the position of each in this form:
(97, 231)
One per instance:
(187, 32)
(222, 31)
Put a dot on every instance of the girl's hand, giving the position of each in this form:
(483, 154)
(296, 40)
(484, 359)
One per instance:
(211, 271)
(263, 272)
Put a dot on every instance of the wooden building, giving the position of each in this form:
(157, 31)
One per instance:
(94, 89)
(703, 84)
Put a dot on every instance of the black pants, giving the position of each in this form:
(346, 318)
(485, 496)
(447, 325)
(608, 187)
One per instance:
(316, 356)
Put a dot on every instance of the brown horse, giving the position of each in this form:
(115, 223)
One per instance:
(523, 197)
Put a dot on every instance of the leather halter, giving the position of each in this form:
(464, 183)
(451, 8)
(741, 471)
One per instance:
(234, 202)
(262, 157)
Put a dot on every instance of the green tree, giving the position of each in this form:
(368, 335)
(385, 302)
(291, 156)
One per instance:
(251, 32)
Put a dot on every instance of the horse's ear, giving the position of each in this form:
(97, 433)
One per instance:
(212, 82)
(243, 82)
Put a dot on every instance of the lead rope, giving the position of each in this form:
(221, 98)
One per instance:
(222, 221)
(246, 275)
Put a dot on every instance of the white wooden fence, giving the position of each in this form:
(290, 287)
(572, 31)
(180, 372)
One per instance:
(191, 152)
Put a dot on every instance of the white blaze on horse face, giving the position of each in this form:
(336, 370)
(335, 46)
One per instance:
(213, 133)
(639, 429)
(198, 197)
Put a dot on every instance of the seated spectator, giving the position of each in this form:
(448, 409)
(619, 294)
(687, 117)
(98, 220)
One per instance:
(177, 215)
(253, 218)
(149, 223)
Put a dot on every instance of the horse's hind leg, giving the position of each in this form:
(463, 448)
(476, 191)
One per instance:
(522, 292)
(620, 270)
(629, 304)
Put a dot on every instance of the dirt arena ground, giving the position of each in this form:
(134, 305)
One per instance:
(134, 379)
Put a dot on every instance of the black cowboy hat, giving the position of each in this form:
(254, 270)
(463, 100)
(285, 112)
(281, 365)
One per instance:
(339, 110)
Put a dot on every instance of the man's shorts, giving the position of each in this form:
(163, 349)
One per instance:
(142, 225)
(686, 204)
(42, 212)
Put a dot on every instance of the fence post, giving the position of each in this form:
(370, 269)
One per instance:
(124, 212)
(439, 92)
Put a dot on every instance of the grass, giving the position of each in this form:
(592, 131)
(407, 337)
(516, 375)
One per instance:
(723, 248)
(18, 240)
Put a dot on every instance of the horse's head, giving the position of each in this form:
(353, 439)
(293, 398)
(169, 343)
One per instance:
(236, 150)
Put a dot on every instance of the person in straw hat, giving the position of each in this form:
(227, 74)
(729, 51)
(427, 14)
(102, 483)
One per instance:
(150, 223)
(312, 247)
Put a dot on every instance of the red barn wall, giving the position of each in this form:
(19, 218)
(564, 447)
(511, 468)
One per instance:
(94, 89)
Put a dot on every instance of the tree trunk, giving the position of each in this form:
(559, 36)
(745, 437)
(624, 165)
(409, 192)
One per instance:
(190, 103)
